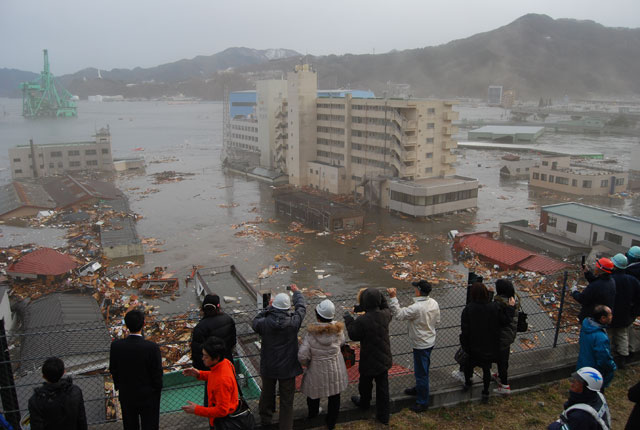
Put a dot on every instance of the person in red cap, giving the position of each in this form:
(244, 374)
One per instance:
(600, 291)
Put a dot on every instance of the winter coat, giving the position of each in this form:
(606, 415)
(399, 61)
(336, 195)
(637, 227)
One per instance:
(577, 419)
(222, 391)
(57, 406)
(627, 300)
(326, 373)
(600, 291)
(509, 323)
(422, 315)
(372, 330)
(595, 350)
(633, 269)
(481, 326)
(634, 419)
(220, 325)
(278, 330)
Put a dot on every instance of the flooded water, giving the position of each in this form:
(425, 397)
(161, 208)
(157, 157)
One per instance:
(187, 216)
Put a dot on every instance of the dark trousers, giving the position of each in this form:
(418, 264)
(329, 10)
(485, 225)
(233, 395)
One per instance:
(503, 366)
(421, 364)
(140, 410)
(267, 403)
(365, 386)
(332, 413)
(486, 372)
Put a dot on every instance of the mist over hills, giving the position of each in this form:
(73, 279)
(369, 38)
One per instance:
(535, 55)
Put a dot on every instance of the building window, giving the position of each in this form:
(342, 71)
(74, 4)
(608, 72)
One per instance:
(551, 178)
(105, 150)
(635, 242)
(74, 164)
(572, 227)
(536, 175)
(75, 152)
(604, 183)
(310, 170)
(90, 152)
(429, 139)
(586, 184)
(574, 182)
(51, 165)
(619, 181)
(431, 125)
(543, 176)
(552, 221)
(613, 238)
(431, 110)
(545, 163)
(16, 160)
(60, 165)
(18, 171)
(429, 154)
(428, 169)
(56, 153)
(561, 180)
(92, 162)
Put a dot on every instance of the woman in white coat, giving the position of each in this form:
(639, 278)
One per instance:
(326, 373)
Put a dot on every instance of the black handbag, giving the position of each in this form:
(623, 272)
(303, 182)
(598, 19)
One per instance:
(240, 419)
(349, 355)
(522, 319)
(461, 357)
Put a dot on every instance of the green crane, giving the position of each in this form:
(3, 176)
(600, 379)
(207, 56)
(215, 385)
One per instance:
(40, 98)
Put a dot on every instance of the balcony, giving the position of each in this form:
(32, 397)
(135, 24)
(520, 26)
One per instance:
(411, 124)
(411, 140)
(450, 116)
(449, 144)
(448, 158)
(410, 155)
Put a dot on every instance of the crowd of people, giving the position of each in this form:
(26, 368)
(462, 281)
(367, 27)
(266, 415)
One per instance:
(489, 325)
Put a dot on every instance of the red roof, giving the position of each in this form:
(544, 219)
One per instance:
(43, 261)
(499, 252)
(542, 264)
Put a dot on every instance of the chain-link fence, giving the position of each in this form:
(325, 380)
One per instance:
(85, 350)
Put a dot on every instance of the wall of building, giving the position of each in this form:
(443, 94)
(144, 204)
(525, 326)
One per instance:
(585, 232)
(21, 212)
(269, 100)
(424, 200)
(332, 179)
(123, 251)
(584, 184)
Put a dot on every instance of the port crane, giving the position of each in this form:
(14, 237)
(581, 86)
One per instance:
(41, 98)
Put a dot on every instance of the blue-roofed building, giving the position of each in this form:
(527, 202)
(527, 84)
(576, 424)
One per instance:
(590, 224)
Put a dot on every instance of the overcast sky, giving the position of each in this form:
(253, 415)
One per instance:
(128, 33)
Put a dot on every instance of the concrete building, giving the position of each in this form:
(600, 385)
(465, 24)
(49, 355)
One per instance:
(559, 174)
(494, 95)
(515, 167)
(38, 160)
(120, 241)
(129, 165)
(590, 225)
(506, 133)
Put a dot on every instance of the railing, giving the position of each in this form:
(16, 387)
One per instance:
(173, 333)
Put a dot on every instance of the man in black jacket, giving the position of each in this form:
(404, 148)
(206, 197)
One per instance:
(372, 330)
(213, 323)
(625, 308)
(600, 291)
(278, 329)
(136, 368)
(58, 403)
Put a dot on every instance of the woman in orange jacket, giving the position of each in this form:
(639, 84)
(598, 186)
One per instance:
(222, 388)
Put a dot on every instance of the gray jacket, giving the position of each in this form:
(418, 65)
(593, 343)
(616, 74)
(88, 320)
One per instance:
(278, 330)
(326, 373)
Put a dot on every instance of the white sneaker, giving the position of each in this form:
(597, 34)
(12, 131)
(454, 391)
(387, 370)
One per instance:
(503, 389)
(456, 374)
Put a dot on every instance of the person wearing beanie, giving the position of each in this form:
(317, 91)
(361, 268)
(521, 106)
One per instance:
(216, 323)
(625, 308)
(594, 344)
(326, 372)
(508, 331)
(600, 291)
(372, 330)
(278, 328)
(587, 408)
(422, 316)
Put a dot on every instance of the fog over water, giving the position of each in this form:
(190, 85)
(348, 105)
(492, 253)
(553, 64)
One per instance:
(187, 215)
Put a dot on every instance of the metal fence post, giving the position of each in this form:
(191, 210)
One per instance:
(7, 385)
(562, 293)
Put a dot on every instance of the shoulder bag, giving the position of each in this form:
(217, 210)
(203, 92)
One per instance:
(522, 318)
(349, 355)
(240, 419)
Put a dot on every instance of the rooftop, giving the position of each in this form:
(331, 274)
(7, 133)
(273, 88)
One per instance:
(43, 261)
(508, 129)
(436, 182)
(122, 232)
(597, 216)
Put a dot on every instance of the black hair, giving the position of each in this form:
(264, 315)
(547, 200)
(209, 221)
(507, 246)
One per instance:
(479, 293)
(600, 311)
(215, 347)
(504, 288)
(53, 369)
(321, 318)
(134, 320)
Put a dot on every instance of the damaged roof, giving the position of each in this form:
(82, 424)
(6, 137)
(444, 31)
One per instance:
(67, 191)
(20, 194)
(122, 232)
(43, 261)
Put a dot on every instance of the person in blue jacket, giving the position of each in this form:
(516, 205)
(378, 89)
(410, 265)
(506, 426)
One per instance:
(594, 344)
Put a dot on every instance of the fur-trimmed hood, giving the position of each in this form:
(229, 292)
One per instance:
(326, 328)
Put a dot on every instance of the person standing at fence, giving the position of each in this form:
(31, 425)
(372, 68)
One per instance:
(508, 331)
(594, 344)
(625, 308)
(422, 316)
(587, 407)
(372, 330)
(213, 323)
(480, 334)
(222, 387)
(278, 329)
(58, 403)
(600, 291)
(136, 367)
(326, 373)
(633, 258)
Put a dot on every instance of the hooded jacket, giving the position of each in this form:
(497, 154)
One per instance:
(509, 324)
(278, 330)
(595, 351)
(627, 300)
(57, 406)
(576, 418)
(372, 330)
(481, 324)
(326, 373)
(220, 325)
(600, 291)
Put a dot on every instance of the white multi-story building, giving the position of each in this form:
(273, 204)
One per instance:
(38, 160)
